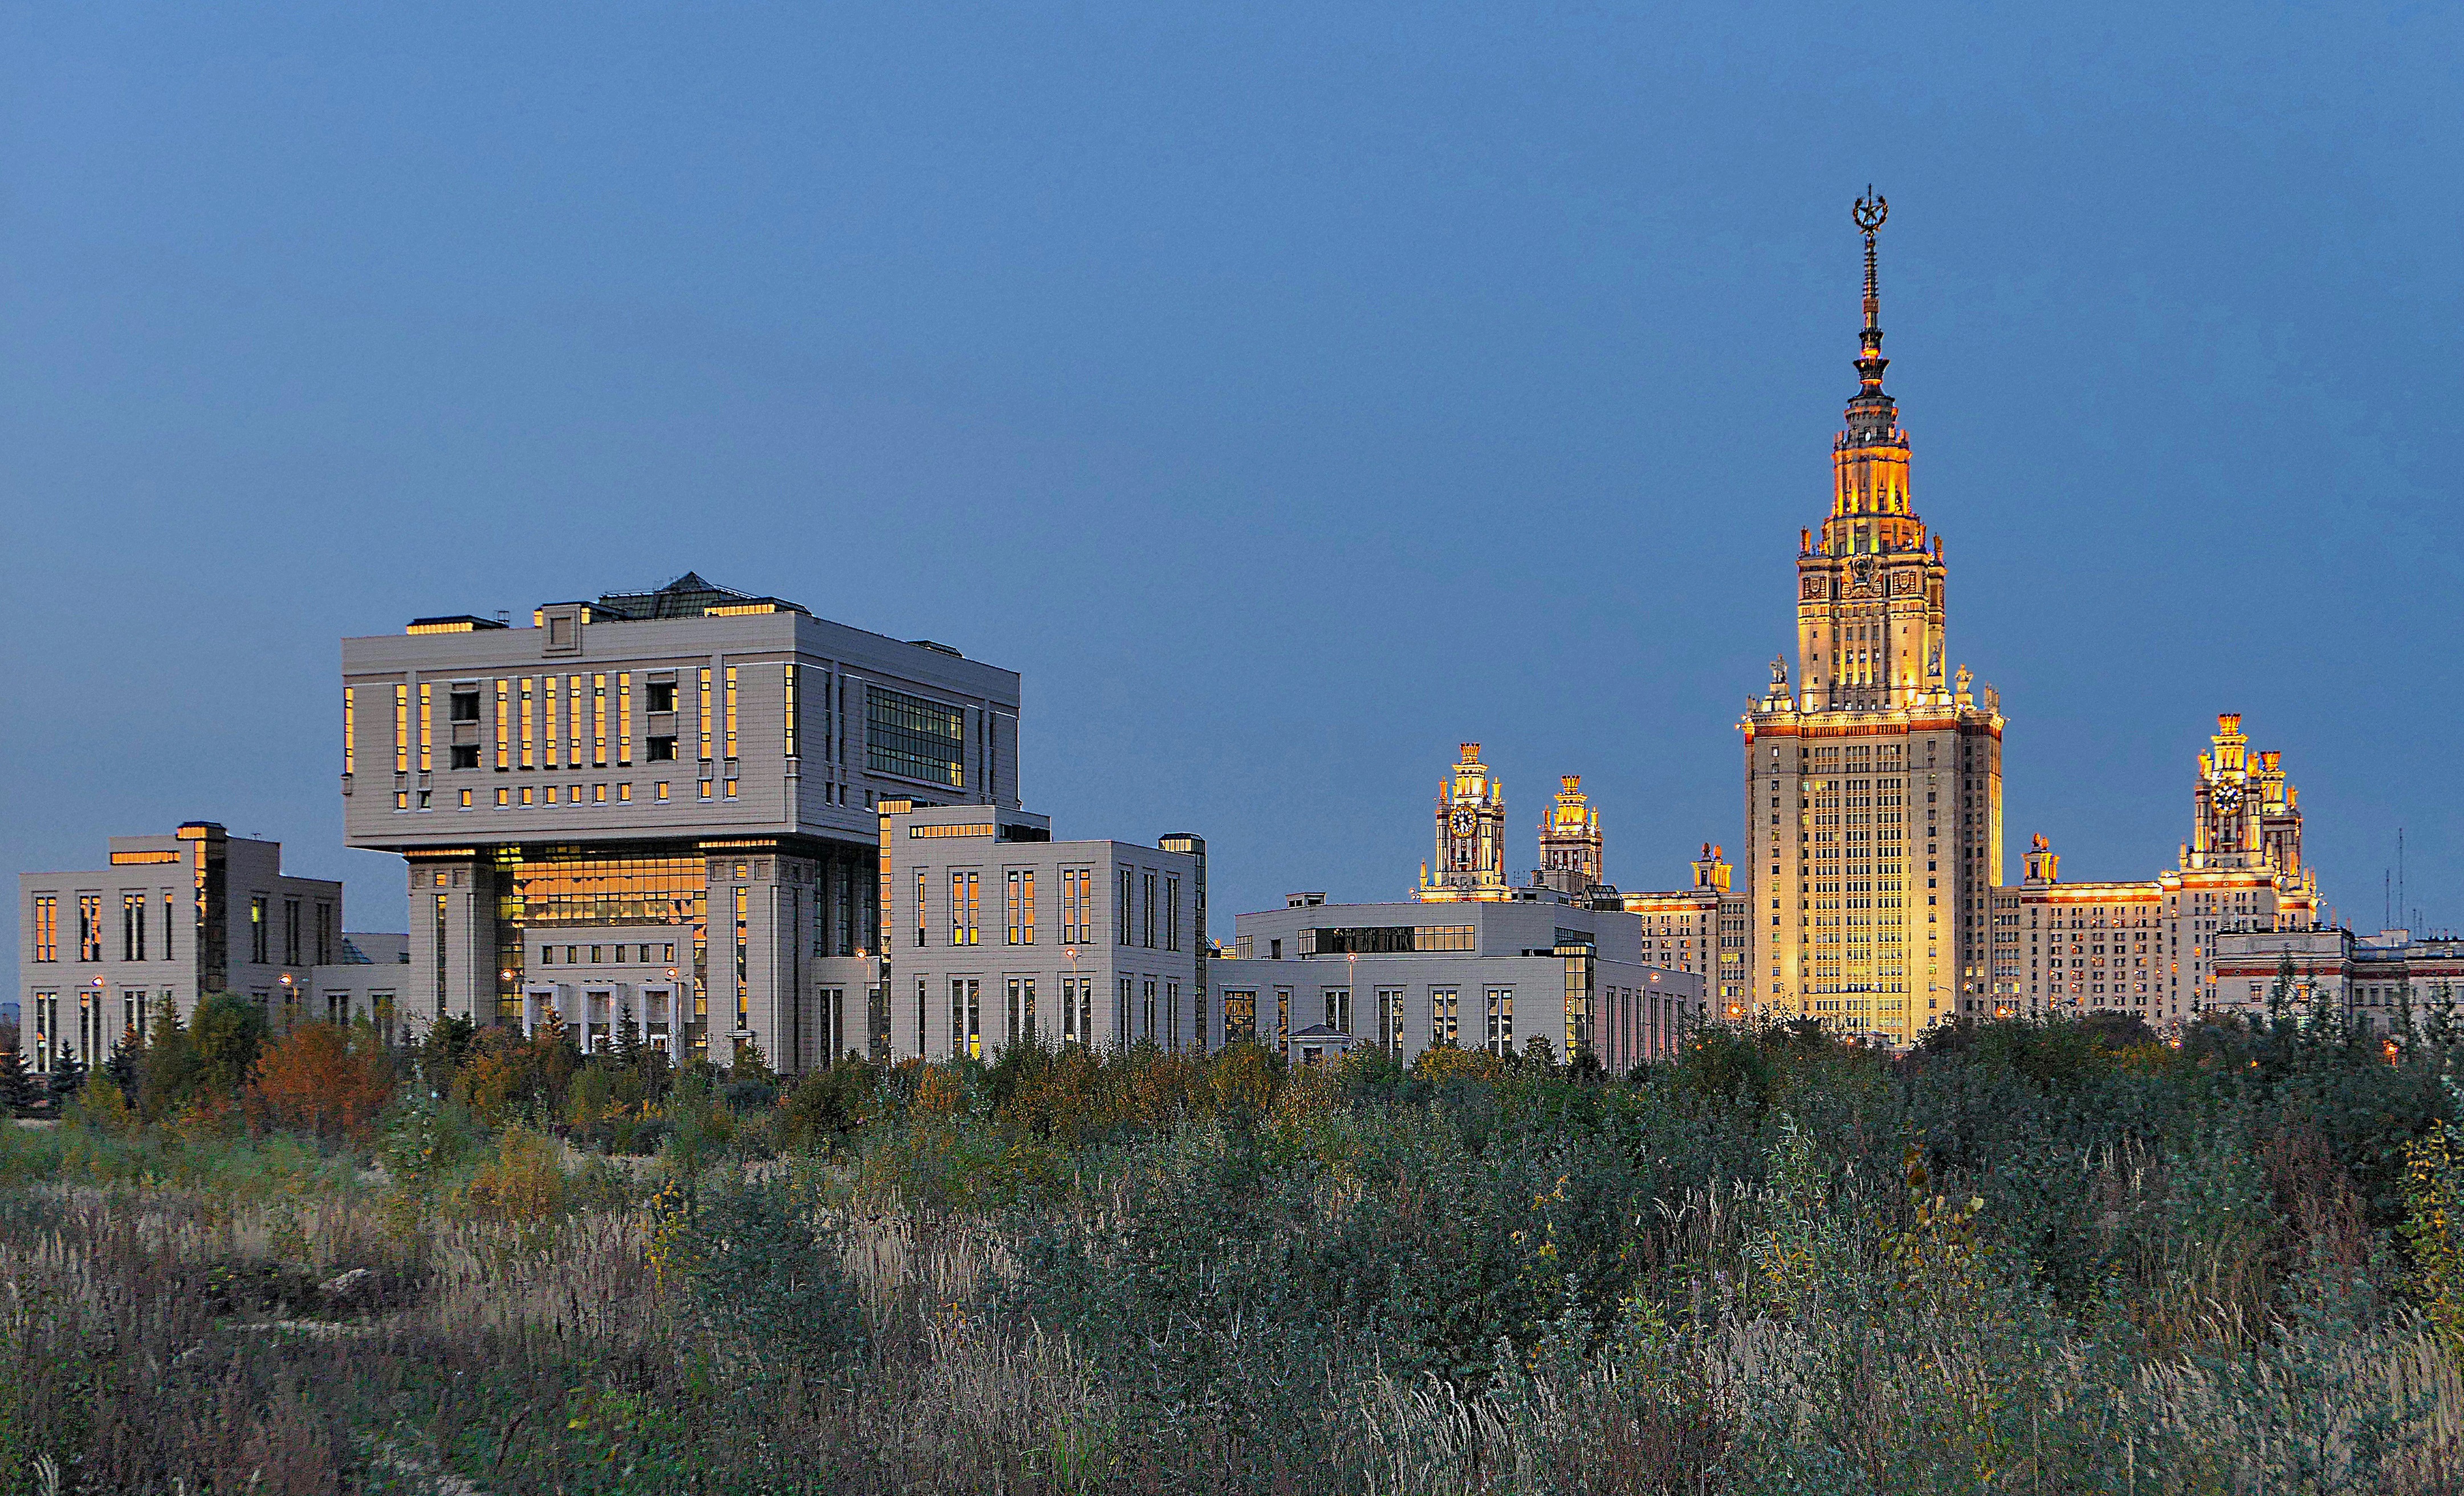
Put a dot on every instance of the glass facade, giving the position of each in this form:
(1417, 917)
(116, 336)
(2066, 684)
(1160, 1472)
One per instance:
(914, 737)
(1386, 940)
(577, 888)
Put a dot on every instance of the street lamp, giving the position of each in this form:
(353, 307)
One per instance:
(1070, 1003)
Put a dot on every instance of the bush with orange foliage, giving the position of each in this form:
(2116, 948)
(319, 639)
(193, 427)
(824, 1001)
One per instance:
(321, 1078)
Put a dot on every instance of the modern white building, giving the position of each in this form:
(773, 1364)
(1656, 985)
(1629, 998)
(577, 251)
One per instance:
(662, 805)
(1488, 974)
(995, 929)
(168, 919)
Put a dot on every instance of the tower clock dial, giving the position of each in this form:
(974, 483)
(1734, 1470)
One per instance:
(1463, 821)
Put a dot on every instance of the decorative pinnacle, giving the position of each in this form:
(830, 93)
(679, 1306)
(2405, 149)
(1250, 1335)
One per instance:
(1870, 415)
(1871, 211)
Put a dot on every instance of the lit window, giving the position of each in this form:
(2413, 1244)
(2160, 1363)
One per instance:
(663, 789)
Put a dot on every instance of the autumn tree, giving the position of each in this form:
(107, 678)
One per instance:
(322, 1078)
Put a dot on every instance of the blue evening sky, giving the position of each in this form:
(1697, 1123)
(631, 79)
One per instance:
(1286, 392)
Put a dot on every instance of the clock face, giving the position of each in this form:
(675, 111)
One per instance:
(1462, 821)
(2228, 797)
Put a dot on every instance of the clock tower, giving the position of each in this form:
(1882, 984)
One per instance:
(1471, 836)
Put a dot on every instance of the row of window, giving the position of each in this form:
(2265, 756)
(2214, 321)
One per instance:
(1145, 1010)
(1443, 1007)
(551, 722)
(137, 943)
(641, 953)
(509, 797)
(1152, 922)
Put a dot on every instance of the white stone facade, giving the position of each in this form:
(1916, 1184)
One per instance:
(995, 929)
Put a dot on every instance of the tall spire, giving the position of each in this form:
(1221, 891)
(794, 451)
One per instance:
(1871, 415)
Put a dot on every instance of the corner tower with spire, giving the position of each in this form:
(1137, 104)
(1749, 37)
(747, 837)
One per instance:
(1874, 783)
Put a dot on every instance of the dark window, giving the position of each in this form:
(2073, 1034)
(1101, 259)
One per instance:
(1383, 939)
(914, 737)
(465, 706)
(663, 750)
(466, 755)
(663, 698)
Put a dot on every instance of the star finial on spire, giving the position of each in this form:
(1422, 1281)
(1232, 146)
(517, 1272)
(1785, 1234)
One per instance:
(1871, 211)
(1870, 415)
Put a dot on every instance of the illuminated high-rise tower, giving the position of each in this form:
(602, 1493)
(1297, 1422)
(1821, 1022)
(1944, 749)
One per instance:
(1873, 786)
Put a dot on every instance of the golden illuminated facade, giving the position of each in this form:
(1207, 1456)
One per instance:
(1572, 853)
(1702, 929)
(2148, 946)
(1873, 786)
(1471, 836)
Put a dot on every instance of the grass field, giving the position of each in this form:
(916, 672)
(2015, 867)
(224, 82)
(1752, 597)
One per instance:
(2032, 1257)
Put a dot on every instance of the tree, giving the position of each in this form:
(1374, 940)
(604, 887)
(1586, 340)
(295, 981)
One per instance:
(586, 1101)
(444, 1048)
(121, 1066)
(17, 1090)
(656, 1073)
(68, 1076)
(322, 1078)
(101, 1107)
(553, 1062)
(750, 1064)
(167, 1068)
(2279, 996)
(629, 1038)
(227, 1031)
